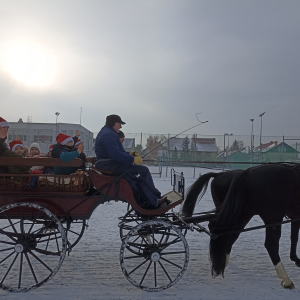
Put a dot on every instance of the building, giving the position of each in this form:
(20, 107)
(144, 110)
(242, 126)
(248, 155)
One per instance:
(192, 149)
(279, 152)
(45, 133)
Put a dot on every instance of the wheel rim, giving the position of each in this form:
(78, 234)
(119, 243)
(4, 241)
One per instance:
(158, 263)
(32, 246)
(129, 222)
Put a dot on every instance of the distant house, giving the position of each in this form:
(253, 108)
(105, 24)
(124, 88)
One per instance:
(199, 149)
(129, 144)
(279, 152)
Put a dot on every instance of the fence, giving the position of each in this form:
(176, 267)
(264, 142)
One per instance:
(215, 151)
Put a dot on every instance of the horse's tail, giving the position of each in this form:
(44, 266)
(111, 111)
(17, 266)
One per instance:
(229, 218)
(199, 186)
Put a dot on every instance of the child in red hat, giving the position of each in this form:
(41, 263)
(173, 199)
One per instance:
(16, 150)
(64, 149)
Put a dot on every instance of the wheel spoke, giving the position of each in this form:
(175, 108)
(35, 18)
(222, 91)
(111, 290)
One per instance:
(33, 222)
(8, 243)
(38, 259)
(7, 249)
(177, 252)
(138, 266)
(4, 259)
(22, 222)
(32, 271)
(165, 271)
(10, 225)
(171, 262)
(47, 240)
(146, 272)
(73, 232)
(163, 235)
(136, 256)
(46, 252)
(20, 271)
(155, 274)
(10, 267)
(57, 243)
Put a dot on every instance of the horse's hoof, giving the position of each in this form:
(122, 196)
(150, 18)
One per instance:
(290, 287)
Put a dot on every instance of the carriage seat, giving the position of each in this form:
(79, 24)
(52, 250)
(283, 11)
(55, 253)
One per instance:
(116, 188)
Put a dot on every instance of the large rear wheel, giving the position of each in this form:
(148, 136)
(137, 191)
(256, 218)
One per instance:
(32, 246)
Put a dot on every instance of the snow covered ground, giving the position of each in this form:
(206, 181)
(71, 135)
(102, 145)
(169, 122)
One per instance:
(92, 271)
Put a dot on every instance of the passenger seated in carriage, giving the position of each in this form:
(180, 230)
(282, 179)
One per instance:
(64, 149)
(16, 150)
(4, 126)
(121, 136)
(111, 156)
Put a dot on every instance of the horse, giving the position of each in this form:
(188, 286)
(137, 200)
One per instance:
(271, 191)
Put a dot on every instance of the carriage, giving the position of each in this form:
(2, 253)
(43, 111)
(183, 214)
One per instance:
(43, 217)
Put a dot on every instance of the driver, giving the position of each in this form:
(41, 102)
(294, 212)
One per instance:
(111, 156)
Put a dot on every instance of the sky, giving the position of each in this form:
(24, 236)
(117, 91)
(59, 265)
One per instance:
(154, 63)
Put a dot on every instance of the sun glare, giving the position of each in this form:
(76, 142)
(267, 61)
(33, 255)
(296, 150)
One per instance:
(29, 63)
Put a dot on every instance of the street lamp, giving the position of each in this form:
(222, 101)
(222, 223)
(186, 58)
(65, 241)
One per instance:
(57, 114)
(252, 136)
(226, 134)
(261, 115)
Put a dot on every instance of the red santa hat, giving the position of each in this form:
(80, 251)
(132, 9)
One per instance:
(79, 142)
(50, 148)
(3, 123)
(15, 144)
(63, 139)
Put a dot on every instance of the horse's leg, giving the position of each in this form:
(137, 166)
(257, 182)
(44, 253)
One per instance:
(232, 239)
(273, 235)
(294, 241)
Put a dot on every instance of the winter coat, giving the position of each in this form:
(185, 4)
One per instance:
(66, 155)
(109, 146)
(3, 148)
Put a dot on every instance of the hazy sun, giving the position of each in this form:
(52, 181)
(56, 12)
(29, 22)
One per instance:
(29, 63)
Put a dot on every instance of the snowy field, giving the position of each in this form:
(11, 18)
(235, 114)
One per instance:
(92, 271)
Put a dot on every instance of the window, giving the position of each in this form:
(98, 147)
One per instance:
(42, 138)
(70, 132)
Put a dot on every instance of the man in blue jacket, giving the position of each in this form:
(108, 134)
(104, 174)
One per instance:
(111, 156)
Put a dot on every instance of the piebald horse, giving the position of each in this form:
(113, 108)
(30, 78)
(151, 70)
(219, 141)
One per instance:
(271, 191)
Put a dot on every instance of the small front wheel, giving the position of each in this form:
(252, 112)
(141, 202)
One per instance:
(159, 262)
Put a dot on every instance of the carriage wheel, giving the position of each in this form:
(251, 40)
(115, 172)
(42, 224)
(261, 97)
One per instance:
(31, 252)
(159, 264)
(74, 231)
(127, 225)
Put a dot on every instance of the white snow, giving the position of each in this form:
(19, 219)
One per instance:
(92, 270)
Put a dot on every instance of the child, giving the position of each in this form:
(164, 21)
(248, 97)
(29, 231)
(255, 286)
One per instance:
(48, 170)
(64, 150)
(82, 155)
(16, 150)
(35, 150)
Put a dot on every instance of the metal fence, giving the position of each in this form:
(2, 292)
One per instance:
(230, 151)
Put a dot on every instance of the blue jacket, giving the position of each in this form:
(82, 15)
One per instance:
(109, 146)
(65, 155)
